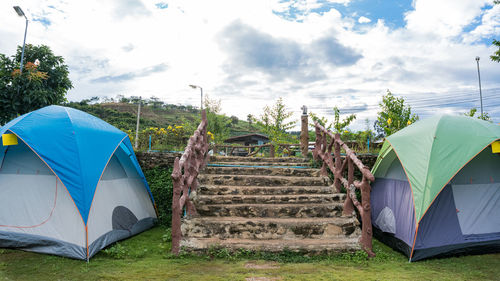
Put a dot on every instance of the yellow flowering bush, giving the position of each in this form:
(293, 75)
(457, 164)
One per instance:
(210, 136)
(174, 137)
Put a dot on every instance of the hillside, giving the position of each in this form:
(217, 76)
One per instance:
(124, 116)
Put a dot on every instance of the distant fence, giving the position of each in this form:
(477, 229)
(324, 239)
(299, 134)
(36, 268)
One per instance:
(268, 150)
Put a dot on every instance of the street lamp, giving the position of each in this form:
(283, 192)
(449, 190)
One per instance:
(480, 93)
(201, 90)
(20, 13)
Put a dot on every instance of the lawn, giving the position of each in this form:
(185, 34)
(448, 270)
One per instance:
(145, 257)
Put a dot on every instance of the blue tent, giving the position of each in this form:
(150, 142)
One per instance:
(71, 185)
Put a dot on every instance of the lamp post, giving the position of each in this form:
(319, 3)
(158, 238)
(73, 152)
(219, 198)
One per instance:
(20, 13)
(201, 90)
(480, 93)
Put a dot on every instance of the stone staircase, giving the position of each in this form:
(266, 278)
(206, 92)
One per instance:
(268, 204)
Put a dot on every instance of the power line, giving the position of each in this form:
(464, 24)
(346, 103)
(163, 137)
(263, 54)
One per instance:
(465, 98)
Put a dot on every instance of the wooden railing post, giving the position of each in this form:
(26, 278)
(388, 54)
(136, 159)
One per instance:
(317, 144)
(184, 178)
(323, 142)
(271, 150)
(366, 229)
(323, 153)
(304, 133)
(348, 206)
(338, 164)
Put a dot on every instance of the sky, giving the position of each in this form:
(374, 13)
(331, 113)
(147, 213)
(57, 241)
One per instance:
(318, 53)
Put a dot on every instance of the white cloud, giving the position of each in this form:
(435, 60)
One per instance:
(444, 18)
(135, 48)
(363, 19)
(490, 26)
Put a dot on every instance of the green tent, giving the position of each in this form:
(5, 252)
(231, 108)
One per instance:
(428, 155)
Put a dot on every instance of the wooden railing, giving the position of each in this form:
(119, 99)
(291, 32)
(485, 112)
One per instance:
(323, 151)
(251, 150)
(184, 178)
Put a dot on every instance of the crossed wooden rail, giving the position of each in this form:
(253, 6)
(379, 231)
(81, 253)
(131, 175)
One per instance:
(184, 178)
(323, 151)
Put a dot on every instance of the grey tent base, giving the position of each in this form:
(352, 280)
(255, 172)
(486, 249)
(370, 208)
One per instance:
(41, 244)
(472, 248)
(120, 234)
(390, 240)
(45, 245)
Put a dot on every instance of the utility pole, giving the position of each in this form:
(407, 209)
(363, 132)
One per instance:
(480, 93)
(137, 127)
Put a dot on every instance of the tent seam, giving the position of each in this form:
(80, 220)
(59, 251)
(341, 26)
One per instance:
(78, 154)
(427, 168)
(95, 191)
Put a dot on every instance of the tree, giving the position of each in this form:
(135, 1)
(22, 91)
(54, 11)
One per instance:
(123, 99)
(472, 113)
(43, 81)
(394, 115)
(274, 122)
(218, 124)
(337, 125)
(250, 120)
(496, 55)
(321, 120)
(362, 137)
(156, 102)
(234, 120)
(213, 105)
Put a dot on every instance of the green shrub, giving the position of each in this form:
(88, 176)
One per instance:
(160, 183)
(167, 237)
(117, 251)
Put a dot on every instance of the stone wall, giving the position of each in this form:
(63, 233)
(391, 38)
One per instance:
(149, 160)
(368, 159)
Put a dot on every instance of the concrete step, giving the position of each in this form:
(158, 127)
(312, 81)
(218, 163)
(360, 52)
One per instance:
(214, 159)
(263, 190)
(248, 180)
(327, 210)
(275, 245)
(271, 228)
(267, 164)
(269, 199)
(296, 172)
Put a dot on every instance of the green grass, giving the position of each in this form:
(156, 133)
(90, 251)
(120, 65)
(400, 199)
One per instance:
(146, 257)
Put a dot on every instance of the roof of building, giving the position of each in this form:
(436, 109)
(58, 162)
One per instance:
(246, 137)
